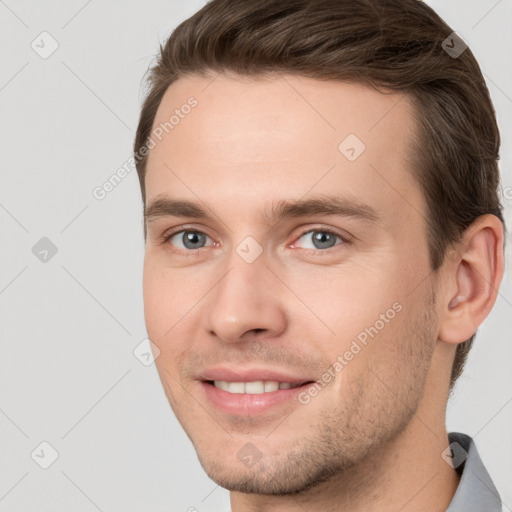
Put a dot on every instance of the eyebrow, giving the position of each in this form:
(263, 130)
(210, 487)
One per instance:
(163, 206)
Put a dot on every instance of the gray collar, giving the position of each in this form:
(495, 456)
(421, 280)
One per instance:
(476, 491)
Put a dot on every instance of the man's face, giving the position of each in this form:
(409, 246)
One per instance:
(344, 300)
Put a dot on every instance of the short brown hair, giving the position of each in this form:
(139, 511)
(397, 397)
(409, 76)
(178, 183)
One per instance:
(389, 44)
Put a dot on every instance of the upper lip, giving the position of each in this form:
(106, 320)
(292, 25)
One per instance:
(232, 374)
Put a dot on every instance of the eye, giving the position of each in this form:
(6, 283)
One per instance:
(190, 240)
(187, 240)
(322, 239)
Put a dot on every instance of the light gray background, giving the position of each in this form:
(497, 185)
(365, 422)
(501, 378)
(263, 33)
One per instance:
(68, 326)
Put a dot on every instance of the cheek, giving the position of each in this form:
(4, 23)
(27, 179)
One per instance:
(345, 300)
(154, 303)
(161, 302)
(169, 300)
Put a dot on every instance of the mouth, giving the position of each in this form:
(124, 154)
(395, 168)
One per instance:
(250, 398)
(257, 387)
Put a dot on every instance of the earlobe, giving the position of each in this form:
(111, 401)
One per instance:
(474, 278)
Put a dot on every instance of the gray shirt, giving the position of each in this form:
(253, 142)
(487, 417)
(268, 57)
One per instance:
(475, 492)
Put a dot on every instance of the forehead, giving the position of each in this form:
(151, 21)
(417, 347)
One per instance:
(248, 141)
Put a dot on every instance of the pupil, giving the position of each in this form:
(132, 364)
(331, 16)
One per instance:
(322, 238)
(192, 238)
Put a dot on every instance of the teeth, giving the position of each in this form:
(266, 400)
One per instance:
(271, 386)
(253, 388)
(222, 384)
(236, 387)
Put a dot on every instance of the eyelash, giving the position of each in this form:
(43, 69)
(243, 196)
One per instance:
(344, 240)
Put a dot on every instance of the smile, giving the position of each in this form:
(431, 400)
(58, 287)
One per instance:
(256, 387)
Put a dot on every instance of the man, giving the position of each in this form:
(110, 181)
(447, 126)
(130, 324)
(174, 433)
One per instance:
(323, 239)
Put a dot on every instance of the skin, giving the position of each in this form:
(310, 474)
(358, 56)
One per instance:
(372, 438)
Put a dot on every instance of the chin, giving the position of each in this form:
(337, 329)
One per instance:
(282, 475)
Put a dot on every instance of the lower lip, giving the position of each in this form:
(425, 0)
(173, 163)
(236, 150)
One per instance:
(246, 404)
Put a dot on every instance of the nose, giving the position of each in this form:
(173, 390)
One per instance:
(248, 299)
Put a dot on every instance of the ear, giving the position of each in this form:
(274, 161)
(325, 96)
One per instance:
(472, 278)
